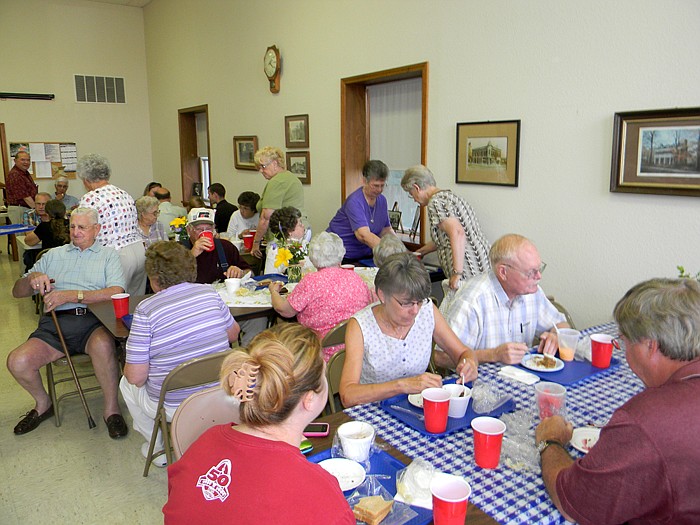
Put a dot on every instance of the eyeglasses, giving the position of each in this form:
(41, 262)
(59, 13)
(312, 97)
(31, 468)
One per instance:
(156, 212)
(411, 304)
(618, 343)
(532, 274)
(263, 166)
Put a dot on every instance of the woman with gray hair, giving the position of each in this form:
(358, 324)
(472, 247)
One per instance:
(150, 230)
(461, 246)
(363, 218)
(388, 345)
(117, 217)
(324, 298)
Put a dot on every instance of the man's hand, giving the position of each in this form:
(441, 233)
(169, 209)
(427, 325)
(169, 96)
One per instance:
(56, 298)
(511, 353)
(40, 282)
(203, 244)
(549, 343)
(234, 272)
(256, 252)
(416, 384)
(555, 428)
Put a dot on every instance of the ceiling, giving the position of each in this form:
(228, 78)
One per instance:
(131, 3)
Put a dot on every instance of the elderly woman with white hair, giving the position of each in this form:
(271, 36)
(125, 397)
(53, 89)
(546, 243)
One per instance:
(117, 218)
(462, 247)
(150, 230)
(324, 298)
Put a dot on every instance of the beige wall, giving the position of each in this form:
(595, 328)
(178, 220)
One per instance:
(563, 68)
(44, 43)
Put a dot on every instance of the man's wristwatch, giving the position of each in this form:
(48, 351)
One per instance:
(80, 296)
(542, 445)
(455, 272)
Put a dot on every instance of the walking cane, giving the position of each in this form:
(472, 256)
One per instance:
(91, 422)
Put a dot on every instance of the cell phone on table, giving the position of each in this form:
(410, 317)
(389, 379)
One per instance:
(317, 429)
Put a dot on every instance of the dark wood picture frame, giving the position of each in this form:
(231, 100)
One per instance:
(395, 220)
(488, 152)
(296, 131)
(299, 163)
(244, 148)
(657, 152)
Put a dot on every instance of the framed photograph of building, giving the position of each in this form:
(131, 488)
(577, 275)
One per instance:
(244, 149)
(656, 151)
(487, 152)
(296, 131)
(299, 163)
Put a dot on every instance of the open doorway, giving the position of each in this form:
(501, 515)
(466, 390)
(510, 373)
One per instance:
(194, 151)
(356, 143)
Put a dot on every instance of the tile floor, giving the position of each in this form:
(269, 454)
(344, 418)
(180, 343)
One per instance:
(68, 474)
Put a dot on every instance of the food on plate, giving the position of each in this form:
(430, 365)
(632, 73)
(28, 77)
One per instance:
(545, 361)
(372, 509)
(242, 292)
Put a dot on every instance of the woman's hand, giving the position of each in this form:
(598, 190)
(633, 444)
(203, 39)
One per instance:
(416, 384)
(275, 286)
(454, 281)
(468, 368)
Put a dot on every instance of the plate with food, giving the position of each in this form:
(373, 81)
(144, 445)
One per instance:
(542, 363)
(349, 473)
(584, 438)
(416, 400)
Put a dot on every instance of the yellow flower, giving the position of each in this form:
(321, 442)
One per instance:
(283, 257)
(178, 222)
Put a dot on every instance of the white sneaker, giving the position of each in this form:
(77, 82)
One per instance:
(160, 461)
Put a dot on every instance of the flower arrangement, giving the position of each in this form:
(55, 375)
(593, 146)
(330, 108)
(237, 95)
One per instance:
(290, 253)
(178, 227)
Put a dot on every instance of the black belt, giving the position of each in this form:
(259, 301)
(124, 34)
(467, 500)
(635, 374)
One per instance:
(71, 311)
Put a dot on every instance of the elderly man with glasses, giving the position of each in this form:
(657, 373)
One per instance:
(69, 201)
(644, 467)
(500, 313)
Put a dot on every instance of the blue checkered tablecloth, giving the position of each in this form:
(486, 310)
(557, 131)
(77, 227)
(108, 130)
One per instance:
(509, 496)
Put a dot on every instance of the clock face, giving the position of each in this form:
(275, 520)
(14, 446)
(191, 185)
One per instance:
(270, 63)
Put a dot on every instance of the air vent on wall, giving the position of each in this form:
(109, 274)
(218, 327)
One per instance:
(107, 90)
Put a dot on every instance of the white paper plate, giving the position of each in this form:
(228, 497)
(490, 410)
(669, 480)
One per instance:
(584, 438)
(349, 473)
(416, 400)
(530, 361)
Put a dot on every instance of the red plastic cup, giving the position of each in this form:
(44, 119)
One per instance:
(436, 406)
(601, 350)
(488, 436)
(210, 236)
(350, 267)
(450, 499)
(248, 241)
(121, 304)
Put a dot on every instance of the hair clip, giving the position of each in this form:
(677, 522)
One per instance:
(242, 381)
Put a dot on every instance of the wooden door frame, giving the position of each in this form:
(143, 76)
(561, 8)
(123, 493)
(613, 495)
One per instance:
(354, 124)
(189, 160)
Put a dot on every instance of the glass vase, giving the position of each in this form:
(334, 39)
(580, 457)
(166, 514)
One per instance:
(294, 273)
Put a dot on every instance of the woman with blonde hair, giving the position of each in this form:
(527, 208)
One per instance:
(283, 189)
(255, 471)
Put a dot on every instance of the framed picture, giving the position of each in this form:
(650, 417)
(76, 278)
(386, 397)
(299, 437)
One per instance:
(487, 152)
(244, 149)
(656, 151)
(299, 163)
(296, 131)
(395, 220)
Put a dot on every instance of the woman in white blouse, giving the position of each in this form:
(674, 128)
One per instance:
(388, 345)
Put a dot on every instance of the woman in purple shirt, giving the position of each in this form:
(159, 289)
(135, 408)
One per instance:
(363, 218)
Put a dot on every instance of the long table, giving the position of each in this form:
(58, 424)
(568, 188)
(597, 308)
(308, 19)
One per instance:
(509, 496)
(475, 516)
(104, 311)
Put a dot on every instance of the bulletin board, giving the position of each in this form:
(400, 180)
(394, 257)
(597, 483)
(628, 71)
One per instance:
(50, 160)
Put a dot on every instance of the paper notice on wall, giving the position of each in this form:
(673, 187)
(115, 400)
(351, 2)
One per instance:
(36, 150)
(52, 152)
(69, 157)
(42, 169)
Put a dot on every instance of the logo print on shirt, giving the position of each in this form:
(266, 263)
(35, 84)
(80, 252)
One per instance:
(215, 482)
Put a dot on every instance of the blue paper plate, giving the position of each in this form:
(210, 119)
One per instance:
(453, 424)
(127, 320)
(272, 277)
(382, 462)
(573, 371)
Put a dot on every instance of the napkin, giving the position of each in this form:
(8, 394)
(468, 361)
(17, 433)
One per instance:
(518, 375)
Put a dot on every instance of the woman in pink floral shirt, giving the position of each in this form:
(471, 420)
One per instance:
(324, 298)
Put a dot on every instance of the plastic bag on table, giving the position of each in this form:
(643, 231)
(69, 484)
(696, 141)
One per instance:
(400, 512)
(413, 482)
(583, 349)
(520, 454)
(486, 396)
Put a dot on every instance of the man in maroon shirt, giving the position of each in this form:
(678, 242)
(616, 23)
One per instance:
(20, 188)
(644, 468)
